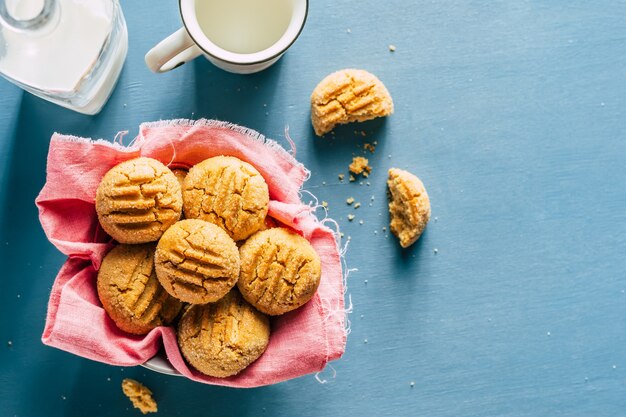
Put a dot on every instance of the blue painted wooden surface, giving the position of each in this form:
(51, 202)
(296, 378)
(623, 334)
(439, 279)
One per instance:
(512, 113)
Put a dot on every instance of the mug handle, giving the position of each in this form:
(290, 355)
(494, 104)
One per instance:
(172, 52)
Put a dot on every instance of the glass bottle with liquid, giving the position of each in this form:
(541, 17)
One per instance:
(69, 52)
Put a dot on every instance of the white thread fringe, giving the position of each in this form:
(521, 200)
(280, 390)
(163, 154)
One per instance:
(325, 381)
(345, 272)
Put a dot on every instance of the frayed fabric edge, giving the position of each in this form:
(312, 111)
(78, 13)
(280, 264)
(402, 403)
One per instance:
(345, 273)
(139, 140)
(247, 132)
(62, 137)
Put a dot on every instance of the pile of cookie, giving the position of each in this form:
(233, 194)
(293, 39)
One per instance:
(196, 251)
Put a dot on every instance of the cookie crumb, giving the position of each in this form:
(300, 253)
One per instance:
(350, 217)
(369, 147)
(341, 177)
(349, 200)
(357, 205)
(352, 178)
(360, 165)
(324, 204)
(139, 395)
(363, 133)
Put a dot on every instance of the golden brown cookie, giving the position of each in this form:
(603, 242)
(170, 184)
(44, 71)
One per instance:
(139, 395)
(228, 192)
(197, 262)
(346, 96)
(221, 339)
(130, 292)
(409, 206)
(280, 271)
(360, 165)
(138, 200)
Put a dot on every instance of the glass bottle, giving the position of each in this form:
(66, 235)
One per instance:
(70, 52)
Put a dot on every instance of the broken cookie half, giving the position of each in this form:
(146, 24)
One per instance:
(409, 206)
(346, 96)
(139, 395)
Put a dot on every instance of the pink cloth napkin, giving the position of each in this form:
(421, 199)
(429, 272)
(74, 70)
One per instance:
(301, 342)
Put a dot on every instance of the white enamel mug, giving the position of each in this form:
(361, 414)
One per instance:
(190, 41)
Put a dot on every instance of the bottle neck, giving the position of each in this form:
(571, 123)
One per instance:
(28, 15)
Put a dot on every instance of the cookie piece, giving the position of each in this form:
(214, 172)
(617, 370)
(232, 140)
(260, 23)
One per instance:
(197, 262)
(346, 96)
(130, 292)
(139, 395)
(228, 192)
(221, 339)
(138, 200)
(280, 271)
(360, 165)
(409, 206)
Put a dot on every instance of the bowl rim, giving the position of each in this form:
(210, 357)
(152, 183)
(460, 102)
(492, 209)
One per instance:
(159, 363)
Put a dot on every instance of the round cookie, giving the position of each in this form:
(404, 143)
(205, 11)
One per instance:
(409, 206)
(130, 292)
(228, 192)
(221, 339)
(138, 200)
(197, 262)
(280, 271)
(346, 96)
